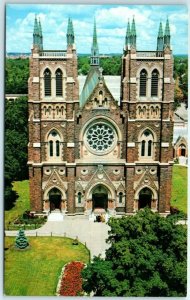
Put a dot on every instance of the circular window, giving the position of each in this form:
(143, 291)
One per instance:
(101, 137)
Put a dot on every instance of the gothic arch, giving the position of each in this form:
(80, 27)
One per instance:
(54, 145)
(154, 192)
(147, 139)
(62, 191)
(151, 130)
(51, 129)
(111, 193)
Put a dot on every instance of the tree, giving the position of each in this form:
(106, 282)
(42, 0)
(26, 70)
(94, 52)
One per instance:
(147, 257)
(16, 139)
(16, 76)
(21, 241)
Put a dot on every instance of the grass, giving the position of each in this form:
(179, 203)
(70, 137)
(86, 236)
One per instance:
(179, 188)
(21, 204)
(35, 272)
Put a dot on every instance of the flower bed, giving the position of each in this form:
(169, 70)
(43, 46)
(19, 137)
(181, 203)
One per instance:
(71, 281)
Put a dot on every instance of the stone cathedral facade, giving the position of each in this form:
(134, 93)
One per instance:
(88, 151)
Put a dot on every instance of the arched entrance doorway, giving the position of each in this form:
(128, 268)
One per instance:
(145, 198)
(100, 197)
(182, 150)
(55, 199)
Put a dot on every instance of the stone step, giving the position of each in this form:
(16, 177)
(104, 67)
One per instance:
(55, 216)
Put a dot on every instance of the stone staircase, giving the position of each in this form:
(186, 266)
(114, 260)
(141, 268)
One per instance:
(56, 215)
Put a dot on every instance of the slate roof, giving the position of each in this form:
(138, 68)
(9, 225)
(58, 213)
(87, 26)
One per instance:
(88, 83)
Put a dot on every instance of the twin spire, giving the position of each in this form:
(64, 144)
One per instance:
(130, 38)
(163, 40)
(37, 34)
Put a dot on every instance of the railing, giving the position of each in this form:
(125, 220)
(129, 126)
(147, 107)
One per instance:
(55, 53)
(150, 54)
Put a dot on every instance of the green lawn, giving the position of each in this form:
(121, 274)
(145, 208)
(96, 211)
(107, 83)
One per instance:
(35, 272)
(21, 204)
(179, 188)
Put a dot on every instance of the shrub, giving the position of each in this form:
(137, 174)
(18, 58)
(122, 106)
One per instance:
(21, 241)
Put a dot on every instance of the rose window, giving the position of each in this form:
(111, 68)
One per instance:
(100, 137)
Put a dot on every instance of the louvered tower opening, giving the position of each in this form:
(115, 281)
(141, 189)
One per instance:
(59, 85)
(143, 83)
(47, 82)
(154, 84)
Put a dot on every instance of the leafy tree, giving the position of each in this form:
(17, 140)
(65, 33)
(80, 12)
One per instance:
(147, 257)
(15, 149)
(21, 241)
(16, 76)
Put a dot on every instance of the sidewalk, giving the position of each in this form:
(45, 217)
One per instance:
(89, 233)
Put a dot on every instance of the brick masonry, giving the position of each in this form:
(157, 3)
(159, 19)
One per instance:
(121, 170)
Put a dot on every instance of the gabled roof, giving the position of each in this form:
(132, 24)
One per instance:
(92, 80)
(112, 83)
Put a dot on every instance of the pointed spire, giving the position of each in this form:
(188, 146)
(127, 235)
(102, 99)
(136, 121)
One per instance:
(128, 35)
(94, 48)
(160, 39)
(95, 43)
(70, 33)
(133, 33)
(160, 32)
(40, 35)
(167, 28)
(36, 32)
(167, 34)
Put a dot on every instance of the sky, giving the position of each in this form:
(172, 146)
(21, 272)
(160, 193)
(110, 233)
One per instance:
(111, 21)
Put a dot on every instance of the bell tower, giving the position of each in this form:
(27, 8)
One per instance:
(147, 93)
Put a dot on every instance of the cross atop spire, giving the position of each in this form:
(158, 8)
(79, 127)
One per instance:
(94, 48)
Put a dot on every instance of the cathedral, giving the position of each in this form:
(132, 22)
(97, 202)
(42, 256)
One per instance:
(89, 151)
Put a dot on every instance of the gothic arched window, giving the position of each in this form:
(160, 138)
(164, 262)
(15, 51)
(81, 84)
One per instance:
(50, 148)
(59, 82)
(154, 83)
(47, 82)
(146, 142)
(120, 197)
(143, 83)
(79, 197)
(57, 148)
(54, 144)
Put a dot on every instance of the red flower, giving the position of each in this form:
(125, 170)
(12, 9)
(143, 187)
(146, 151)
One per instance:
(71, 282)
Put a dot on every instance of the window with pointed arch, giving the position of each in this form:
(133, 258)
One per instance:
(154, 83)
(146, 144)
(120, 197)
(79, 197)
(47, 82)
(54, 145)
(143, 83)
(59, 83)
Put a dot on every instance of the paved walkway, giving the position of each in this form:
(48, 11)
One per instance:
(89, 233)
